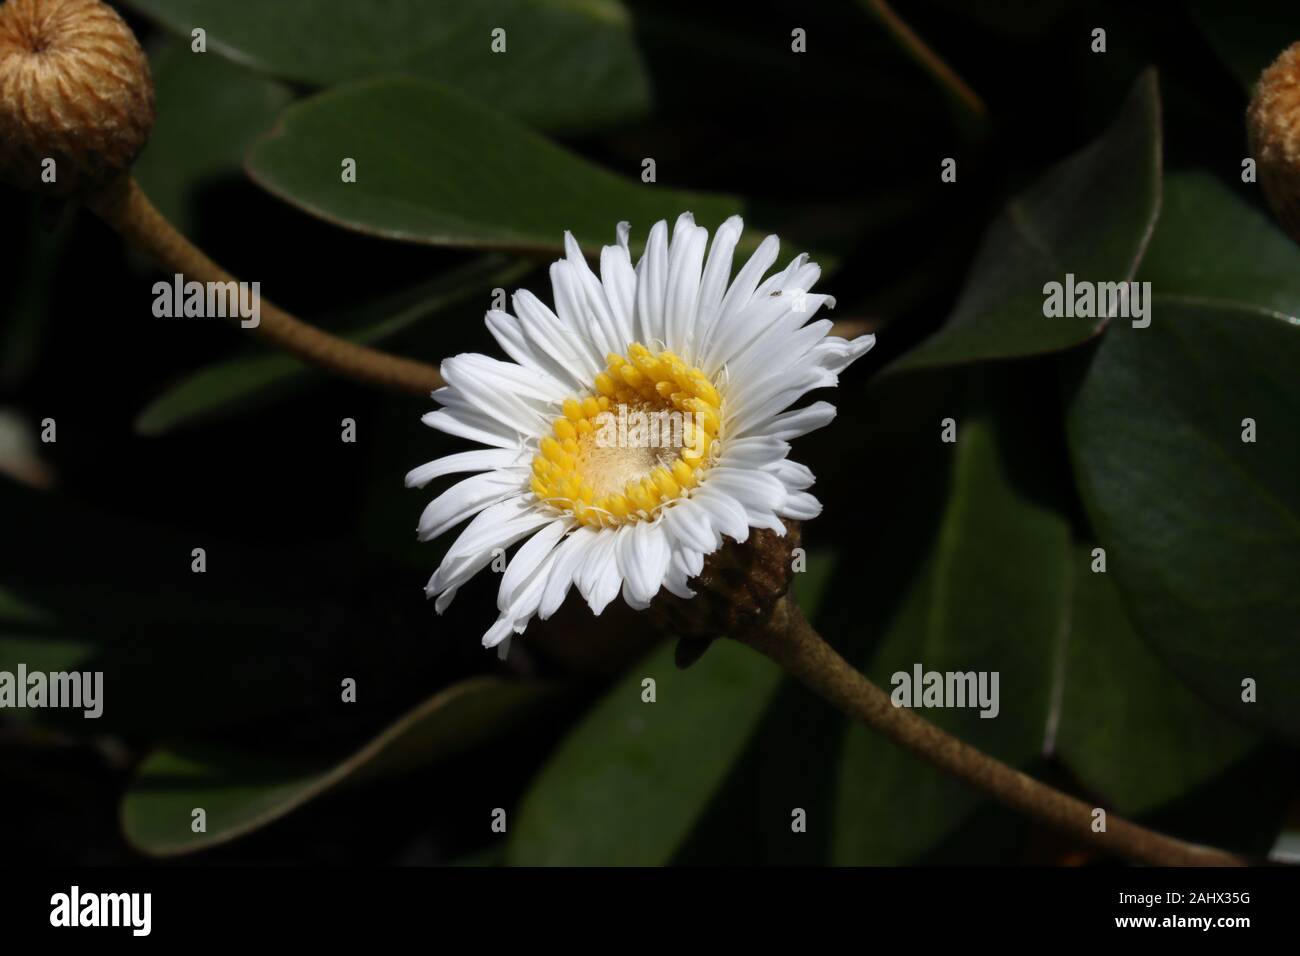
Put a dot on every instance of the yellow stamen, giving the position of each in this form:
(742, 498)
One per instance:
(637, 441)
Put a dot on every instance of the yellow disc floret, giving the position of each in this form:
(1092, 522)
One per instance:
(639, 440)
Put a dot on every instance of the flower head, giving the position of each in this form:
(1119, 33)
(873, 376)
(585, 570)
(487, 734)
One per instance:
(1273, 122)
(74, 88)
(642, 421)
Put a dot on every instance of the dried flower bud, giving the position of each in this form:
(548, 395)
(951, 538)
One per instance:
(74, 88)
(1273, 120)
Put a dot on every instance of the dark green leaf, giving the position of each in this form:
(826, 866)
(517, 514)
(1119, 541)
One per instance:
(15, 610)
(242, 793)
(1211, 245)
(1090, 216)
(437, 168)
(1129, 730)
(628, 783)
(209, 113)
(990, 596)
(568, 64)
(1203, 528)
(29, 636)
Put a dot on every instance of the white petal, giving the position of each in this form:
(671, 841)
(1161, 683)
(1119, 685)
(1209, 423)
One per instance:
(528, 595)
(794, 476)
(776, 281)
(444, 599)
(800, 275)
(606, 331)
(713, 282)
(755, 451)
(486, 384)
(527, 559)
(689, 563)
(770, 334)
(570, 554)
(508, 332)
(493, 530)
(799, 422)
(779, 344)
(737, 298)
(599, 580)
(726, 514)
(528, 589)
(741, 329)
(480, 459)
(619, 279)
(675, 582)
(531, 386)
(749, 276)
(547, 334)
(468, 497)
(758, 493)
(754, 490)
(836, 353)
(764, 405)
(651, 287)
(474, 426)
(643, 556)
(571, 303)
(801, 506)
(685, 262)
(498, 632)
(689, 524)
(632, 599)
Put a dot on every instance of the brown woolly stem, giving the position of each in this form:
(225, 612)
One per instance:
(789, 640)
(126, 208)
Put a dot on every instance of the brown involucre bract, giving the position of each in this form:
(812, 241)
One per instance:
(75, 88)
(738, 588)
(1273, 120)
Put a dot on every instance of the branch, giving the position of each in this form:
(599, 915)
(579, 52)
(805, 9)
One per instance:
(960, 91)
(126, 208)
(790, 641)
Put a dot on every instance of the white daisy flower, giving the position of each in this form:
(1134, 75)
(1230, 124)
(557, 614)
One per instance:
(641, 421)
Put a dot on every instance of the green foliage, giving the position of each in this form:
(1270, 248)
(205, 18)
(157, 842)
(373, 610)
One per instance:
(1092, 216)
(1127, 727)
(209, 113)
(1123, 686)
(241, 792)
(233, 386)
(568, 63)
(626, 785)
(991, 596)
(435, 167)
(1208, 572)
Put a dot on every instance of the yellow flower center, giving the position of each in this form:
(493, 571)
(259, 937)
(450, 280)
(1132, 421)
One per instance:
(638, 440)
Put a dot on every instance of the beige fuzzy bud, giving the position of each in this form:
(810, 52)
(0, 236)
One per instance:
(1273, 120)
(74, 88)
